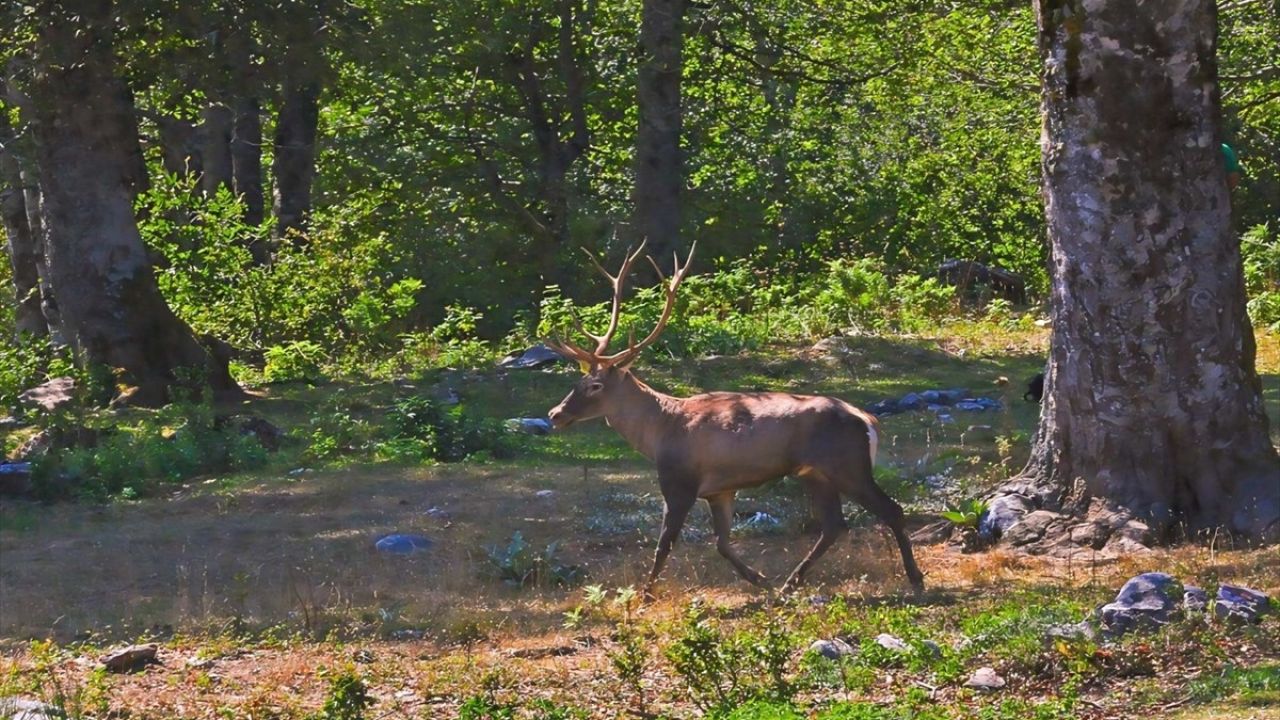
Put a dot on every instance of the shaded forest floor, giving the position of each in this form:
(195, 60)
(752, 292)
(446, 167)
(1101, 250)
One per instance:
(263, 588)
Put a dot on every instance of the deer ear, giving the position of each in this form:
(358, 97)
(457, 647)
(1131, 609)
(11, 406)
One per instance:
(585, 367)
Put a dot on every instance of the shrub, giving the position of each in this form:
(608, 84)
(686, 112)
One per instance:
(347, 698)
(724, 672)
(292, 362)
(517, 563)
(418, 426)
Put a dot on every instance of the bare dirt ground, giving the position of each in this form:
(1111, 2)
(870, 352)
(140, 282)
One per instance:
(200, 570)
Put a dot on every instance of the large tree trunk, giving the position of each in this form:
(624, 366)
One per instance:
(1152, 423)
(294, 165)
(111, 307)
(23, 249)
(246, 134)
(658, 167)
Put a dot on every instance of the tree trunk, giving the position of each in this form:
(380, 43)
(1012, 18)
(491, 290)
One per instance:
(23, 250)
(111, 307)
(216, 121)
(180, 146)
(658, 167)
(246, 135)
(1152, 423)
(294, 165)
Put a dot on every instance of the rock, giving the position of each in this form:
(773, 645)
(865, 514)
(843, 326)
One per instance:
(760, 522)
(1083, 630)
(130, 659)
(832, 649)
(969, 406)
(51, 395)
(932, 649)
(10, 422)
(530, 426)
(1143, 602)
(912, 401)
(199, 663)
(1194, 599)
(15, 478)
(267, 434)
(18, 708)
(945, 418)
(400, 544)
(437, 512)
(885, 407)
(1240, 604)
(363, 656)
(985, 679)
(545, 494)
(535, 357)
(952, 396)
(1031, 527)
(889, 642)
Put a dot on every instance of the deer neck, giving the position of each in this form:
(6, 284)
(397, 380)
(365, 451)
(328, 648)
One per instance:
(641, 415)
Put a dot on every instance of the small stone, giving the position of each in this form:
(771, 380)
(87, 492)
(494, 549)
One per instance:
(1194, 599)
(198, 663)
(400, 544)
(832, 649)
(1082, 630)
(985, 679)
(889, 642)
(134, 657)
(1240, 604)
(51, 395)
(545, 494)
(1031, 527)
(1143, 601)
(19, 708)
(362, 656)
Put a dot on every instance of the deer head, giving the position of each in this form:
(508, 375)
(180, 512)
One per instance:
(597, 393)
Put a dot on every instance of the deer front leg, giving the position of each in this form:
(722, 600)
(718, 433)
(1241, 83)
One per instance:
(676, 506)
(826, 505)
(722, 520)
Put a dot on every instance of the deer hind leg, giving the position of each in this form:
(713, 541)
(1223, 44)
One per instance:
(889, 511)
(722, 520)
(675, 509)
(826, 505)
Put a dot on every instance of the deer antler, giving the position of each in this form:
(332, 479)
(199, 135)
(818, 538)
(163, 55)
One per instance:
(678, 272)
(598, 358)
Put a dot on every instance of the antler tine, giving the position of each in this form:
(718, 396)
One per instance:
(619, 282)
(677, 277)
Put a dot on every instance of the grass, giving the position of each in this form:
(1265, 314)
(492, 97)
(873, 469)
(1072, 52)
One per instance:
(268, 583)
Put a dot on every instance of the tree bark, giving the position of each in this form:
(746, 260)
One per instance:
(1152, 423)
(23, 249)
(246, 134)
(216, 121)
(111, 307)
(295, 152)
(658, 164)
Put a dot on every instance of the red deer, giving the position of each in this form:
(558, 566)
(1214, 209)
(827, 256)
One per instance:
(710, 446)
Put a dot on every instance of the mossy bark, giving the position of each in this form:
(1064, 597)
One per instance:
(1152, 423)
(111, 308)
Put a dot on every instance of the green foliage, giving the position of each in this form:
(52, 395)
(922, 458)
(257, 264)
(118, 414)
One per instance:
(419, 428)
(1253, 685)
(518, 563)
(723, 672)
(179, 442)
(1260, 256)
(293, 362)
(29, 362)
(347, 698)
(967, 514)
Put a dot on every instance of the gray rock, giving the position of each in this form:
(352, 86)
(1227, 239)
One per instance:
(1003, 513)
(130, 659)
(1240, 604)
(1143, 602)
(1194, 599)
(15, 478)
(51, 395)
(530, 425)
(889, 642)
(403, 544)
(985, 679)
(933, 533)
(532, 358)
(18, 708)
(832, 649)
(1082, 630)
(1031, 528)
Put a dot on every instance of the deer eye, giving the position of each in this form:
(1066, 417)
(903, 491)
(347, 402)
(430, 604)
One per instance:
(595, 387)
